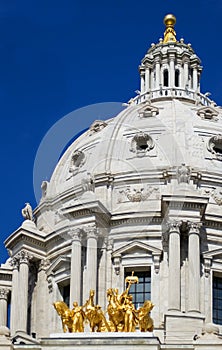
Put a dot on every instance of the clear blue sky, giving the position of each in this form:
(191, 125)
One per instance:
(59, 55)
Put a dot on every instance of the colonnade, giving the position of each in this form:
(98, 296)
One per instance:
(19, 298)
(91, 262)
(152, 73)
(174, 286)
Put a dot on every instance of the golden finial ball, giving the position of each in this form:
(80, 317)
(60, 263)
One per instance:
(169, 20)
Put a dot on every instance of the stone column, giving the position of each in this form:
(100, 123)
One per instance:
(147, 79)
(194, 268)
(142, 82)
(42, 319)
(195, 79)
(91, 258)
(172, 72)
(186, 75)
(174, 266)
(14, 297)
(3, 306)
(22, 306)
(157, 74)
(75, 280)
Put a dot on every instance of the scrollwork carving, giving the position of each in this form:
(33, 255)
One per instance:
(141, 143)
(215, 146)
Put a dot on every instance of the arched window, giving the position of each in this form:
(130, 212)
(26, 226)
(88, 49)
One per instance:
(177, 74)
(165, 78)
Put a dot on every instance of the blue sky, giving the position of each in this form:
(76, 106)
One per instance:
(57, 56)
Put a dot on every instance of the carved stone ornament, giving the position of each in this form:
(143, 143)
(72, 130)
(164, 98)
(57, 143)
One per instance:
(207, 266)
(148, 111)
(217, 195)
(91, 232)
(24, 257)
(208, 113)
(137, 194)
(183, 174)
(174, 226)
(88, 183)
(44, 264)
(141, 143)
(77, 160)
(44, 186)
(116, 262)
(4, 293)
(215, 146)
(97, 126)
(27, 212)
(156, 262)
(75, 234)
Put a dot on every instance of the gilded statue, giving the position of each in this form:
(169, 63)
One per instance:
(66, 315)
(145, 321)
(78, 317)
(123, 317)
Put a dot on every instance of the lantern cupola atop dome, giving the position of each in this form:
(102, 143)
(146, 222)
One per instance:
(171, 69)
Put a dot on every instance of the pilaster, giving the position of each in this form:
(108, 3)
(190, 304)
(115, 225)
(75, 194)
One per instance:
(75, 282)
(3, 306)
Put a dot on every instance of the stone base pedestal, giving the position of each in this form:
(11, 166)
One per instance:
(181, 328)
(104, 341)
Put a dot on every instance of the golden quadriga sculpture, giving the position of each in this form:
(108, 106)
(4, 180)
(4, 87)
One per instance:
(123, 317)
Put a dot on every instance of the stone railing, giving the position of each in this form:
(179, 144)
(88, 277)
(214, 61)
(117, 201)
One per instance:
(165, 92)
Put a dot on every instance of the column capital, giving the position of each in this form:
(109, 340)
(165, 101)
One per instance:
(91, 232)
(44, 264)
(75, 234)
(24, 257)
(4, 293)
(194, 227)
(14, 263)
(174, 226)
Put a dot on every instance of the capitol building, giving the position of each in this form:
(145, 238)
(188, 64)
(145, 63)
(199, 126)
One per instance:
(137, 195)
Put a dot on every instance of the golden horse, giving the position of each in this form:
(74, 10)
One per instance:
(145, 321)
(66, 315)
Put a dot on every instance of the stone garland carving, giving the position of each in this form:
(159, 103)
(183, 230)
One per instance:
(97, 126)
(183, 174)
(137, 194)
(141, 143)
(215, 146)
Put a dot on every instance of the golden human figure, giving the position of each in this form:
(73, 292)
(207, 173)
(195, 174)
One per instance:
(78, 317)
(130, 317)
